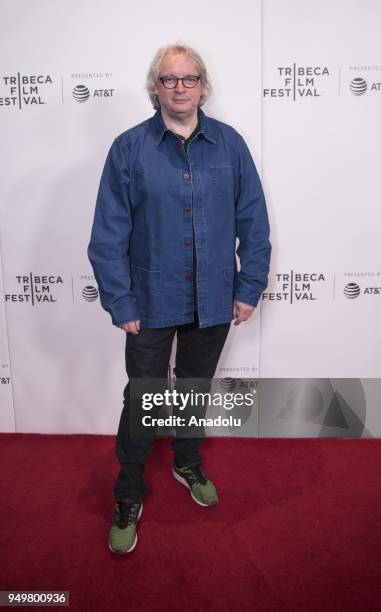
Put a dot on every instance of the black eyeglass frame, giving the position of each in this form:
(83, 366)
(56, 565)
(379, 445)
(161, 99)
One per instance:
(194, 76)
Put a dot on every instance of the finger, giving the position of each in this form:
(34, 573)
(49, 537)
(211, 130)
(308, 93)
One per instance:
(237, 321)
(134, 328)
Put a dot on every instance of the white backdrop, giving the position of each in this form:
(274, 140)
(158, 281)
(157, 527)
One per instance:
(299, 81)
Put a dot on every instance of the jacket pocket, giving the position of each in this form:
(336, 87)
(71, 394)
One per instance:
(223, 183)
(147, 288)
(228, 290)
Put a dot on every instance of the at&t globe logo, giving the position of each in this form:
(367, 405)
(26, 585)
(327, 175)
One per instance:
(351, 291)
(81, 93)
(90, 293)
(358, 86)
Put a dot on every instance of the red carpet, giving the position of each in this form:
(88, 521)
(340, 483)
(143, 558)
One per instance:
(298, 526)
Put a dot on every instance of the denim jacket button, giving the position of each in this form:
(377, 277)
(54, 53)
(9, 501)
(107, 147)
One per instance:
(186, 176)
(187, 242)
(188, 277)
(186, 209)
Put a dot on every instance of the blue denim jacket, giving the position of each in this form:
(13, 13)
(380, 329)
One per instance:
(150, 196)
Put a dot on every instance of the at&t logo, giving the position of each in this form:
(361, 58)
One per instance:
(81, 93)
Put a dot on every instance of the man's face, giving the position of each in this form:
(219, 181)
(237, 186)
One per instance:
(180, 101)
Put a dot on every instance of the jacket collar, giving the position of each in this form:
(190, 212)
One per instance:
(159, 128)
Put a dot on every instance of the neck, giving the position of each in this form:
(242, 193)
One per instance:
(180, 125)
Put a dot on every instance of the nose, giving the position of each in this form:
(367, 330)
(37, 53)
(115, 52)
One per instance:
(180, 86)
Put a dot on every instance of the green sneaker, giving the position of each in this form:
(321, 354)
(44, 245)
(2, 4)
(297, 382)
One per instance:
(202, 490)
(122, 536)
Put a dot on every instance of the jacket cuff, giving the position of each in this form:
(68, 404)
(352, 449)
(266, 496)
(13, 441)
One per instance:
(247, 298)
(124, 311)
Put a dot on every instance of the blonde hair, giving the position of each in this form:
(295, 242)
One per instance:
(154, 71)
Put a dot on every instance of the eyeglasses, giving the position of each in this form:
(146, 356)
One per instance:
(170, 82)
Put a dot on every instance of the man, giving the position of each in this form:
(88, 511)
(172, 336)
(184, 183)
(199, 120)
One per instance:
(175, 193)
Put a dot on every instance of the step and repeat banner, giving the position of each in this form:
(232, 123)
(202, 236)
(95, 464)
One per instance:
(300, 82)
(321, 93)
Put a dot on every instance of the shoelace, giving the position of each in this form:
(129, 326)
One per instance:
(126, 514)
(195, 475)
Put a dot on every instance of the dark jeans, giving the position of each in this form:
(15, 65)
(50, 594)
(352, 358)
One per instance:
(147, 356)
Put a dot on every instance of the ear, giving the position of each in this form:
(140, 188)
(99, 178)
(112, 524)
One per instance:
(156, 87)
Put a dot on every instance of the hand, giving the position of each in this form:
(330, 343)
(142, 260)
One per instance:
(132, 327)
(242, 312)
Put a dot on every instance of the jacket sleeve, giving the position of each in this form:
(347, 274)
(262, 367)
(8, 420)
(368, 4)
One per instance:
(110, 236)
(252, 230)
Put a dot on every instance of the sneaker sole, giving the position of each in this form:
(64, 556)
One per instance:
(184, 482)
(125, 552)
